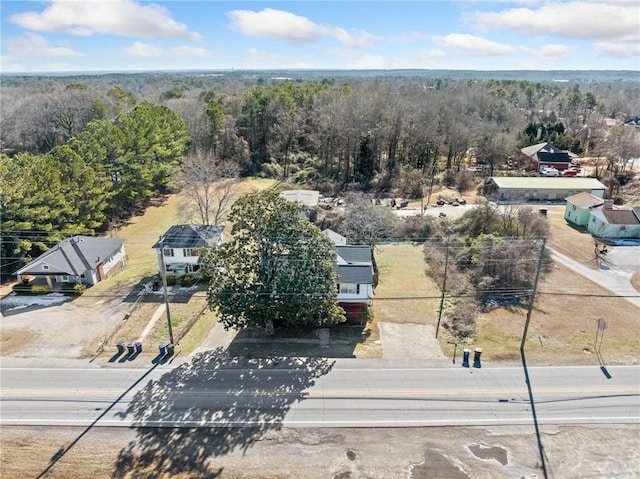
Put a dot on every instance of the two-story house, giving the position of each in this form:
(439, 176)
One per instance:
(179, 247)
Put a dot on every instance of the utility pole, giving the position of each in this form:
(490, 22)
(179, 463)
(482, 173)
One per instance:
(164, 285)
(444, 286)
(533, 295)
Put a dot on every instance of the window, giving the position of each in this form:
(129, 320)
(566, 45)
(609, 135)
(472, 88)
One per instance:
(45, 267)
(348, 288)
(190, 252)
(168, 251)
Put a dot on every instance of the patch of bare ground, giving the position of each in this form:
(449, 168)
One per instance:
(385, 453)
(15, 340)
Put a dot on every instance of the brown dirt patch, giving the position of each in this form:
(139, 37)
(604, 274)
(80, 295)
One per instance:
(15, 340)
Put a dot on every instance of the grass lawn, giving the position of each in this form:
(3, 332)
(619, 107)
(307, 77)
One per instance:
(404, 294)
(140, 233)
(562, 328)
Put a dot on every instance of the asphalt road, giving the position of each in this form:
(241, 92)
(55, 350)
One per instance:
(615, 280)
(209, 391)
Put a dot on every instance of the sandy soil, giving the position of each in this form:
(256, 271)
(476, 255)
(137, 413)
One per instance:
(407, 453)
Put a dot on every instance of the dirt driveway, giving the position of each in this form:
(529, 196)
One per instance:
(58, 327)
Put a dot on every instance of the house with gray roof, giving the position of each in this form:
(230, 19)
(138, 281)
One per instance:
(181, 244)
(79, 259)
(356, 278)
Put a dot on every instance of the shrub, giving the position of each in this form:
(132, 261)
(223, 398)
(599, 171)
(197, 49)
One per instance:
(40, 289)
(171, 279)
(79, 289)
(186, 280)
(366, 314)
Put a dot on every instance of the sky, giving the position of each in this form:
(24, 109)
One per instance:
(135, 35)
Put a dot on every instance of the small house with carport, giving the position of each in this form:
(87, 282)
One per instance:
(615, 223)
(580, 206)
(537, 188)
(179, 247)
(77, 260)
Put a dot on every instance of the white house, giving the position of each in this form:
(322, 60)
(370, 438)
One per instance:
(79, 259)
(337, 238)
(308, 198)
(356, 278)
(181, 245)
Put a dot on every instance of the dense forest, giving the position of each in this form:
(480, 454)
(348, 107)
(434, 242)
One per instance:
(81, 153)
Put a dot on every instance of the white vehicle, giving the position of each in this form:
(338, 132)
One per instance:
(549, 171)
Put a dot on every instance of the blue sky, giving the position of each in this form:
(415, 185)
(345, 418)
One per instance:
(133, 35)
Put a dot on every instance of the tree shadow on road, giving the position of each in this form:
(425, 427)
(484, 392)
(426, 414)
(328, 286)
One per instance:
(181, 425)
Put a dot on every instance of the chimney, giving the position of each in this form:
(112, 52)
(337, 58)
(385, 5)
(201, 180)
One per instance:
(608, 205)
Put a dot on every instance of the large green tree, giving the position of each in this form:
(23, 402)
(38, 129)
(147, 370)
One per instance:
(278, 269)
(154, 140)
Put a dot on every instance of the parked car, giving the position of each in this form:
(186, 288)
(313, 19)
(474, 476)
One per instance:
(549, 171)
(570, 172)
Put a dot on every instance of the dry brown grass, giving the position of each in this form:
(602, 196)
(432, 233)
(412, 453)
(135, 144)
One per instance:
(14, 340)
(404, 294)
(563, 322)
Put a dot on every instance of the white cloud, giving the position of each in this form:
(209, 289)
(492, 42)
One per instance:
(118, 17)
(409, 37)
(34, 45)
(270, 23)
(551, 52)
(575, 19)
(286, 26)
(619, 50)
(474, 44)
(147, 50)
(357, 60)
(356, 39)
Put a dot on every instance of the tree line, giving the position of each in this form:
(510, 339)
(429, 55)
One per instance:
(104, 150)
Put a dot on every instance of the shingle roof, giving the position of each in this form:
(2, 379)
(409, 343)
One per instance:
(547, 152)
(190, 236)
(337, 239)
(355, 273)
(621, 217)
(354, 254)
(73, 256)
(584, 200)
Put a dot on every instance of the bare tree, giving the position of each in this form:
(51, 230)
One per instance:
(208, 186)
